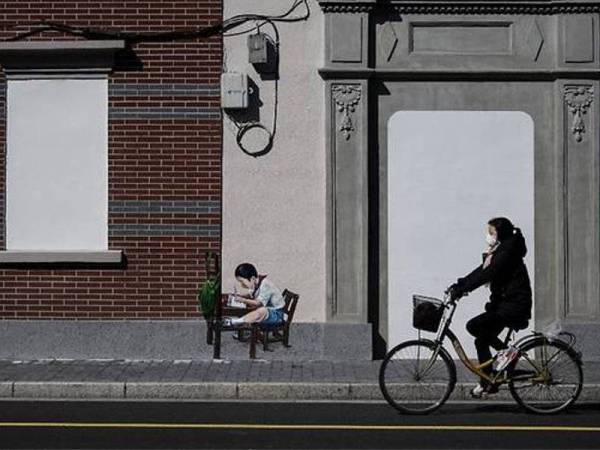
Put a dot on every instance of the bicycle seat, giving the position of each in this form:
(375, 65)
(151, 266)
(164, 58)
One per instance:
(513, 328)
(516, 326)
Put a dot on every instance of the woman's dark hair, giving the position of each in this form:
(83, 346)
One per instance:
(246, 271)
(504, 227)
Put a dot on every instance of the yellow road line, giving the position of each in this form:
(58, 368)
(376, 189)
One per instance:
(247, 426)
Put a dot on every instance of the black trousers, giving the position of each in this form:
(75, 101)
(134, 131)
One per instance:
(486, 327)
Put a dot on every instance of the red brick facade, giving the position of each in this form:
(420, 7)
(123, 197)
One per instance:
(164, 168)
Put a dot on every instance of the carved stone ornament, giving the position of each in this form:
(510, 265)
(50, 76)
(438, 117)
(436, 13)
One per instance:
(346, 98)
(472, 7)
(578, 100)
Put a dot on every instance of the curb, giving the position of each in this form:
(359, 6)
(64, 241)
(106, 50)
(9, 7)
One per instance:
(134, 390)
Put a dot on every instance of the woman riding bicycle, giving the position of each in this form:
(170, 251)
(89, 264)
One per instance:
(504, 271)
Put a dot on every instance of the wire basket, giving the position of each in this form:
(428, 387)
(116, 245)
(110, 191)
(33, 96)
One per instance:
(427, 313)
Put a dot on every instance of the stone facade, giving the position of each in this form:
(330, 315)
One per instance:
(541, 58)
(321, 189)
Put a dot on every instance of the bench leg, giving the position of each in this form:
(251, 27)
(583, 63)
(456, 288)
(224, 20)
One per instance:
(253, 336)
(217, 346)
(209, 333)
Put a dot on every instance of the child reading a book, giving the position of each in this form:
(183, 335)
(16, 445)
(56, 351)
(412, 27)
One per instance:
(258, 292)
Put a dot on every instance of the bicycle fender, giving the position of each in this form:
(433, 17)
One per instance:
(540, 338)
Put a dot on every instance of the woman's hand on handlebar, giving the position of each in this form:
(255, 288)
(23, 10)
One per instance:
(454, 292)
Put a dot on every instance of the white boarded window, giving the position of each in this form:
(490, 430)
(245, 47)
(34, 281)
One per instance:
(449, 172)
(57, 164)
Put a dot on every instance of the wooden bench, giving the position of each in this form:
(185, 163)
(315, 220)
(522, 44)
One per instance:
(258, 332)
(276, 332)
(216, 326)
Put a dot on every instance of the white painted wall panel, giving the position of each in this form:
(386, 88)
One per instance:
(57, 164)
(449, 173)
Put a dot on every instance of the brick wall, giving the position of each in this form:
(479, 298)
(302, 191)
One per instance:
(164, 168)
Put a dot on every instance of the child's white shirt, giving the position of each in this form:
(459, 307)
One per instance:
(269, 295)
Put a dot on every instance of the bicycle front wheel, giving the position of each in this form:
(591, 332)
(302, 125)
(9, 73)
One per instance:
(547, 377)
(417, 377)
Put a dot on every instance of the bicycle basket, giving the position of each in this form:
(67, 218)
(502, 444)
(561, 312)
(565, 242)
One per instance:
(427, 313)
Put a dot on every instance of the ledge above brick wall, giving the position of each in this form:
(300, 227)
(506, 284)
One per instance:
(48, 57)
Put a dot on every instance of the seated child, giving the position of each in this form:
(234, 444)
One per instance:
(258, 291)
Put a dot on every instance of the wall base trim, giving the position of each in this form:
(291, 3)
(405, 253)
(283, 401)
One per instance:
(182, 339)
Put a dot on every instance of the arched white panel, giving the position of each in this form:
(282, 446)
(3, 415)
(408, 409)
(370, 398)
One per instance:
(449, 172)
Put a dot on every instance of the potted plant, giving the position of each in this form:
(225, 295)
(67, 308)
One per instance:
(210, 292)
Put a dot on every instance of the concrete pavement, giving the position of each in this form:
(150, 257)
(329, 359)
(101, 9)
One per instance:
(217, 379)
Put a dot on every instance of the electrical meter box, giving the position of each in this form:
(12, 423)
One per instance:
(234, 90)
(258, 48)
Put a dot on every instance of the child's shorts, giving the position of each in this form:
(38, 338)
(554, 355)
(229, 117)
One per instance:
(275, 317)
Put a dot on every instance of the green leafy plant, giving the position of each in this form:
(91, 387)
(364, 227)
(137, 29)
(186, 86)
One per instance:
(210, 290)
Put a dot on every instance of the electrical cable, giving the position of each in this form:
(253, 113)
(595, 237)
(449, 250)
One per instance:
(165, 36)
(248, 30)
(244, 128)
(206, 32)
(292, 9)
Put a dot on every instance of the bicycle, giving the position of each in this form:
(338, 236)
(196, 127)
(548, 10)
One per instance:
(418, 376)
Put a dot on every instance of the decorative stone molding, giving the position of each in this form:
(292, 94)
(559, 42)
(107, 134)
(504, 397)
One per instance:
(578, 100)
(389, 40)
(346, 7)
(347, 222)
(534, 40)
(346, 98)
(481, 7)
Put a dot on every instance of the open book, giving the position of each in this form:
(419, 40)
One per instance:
(233, 303)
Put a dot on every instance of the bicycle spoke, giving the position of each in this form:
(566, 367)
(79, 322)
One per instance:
(562, 361)
(415, 378)
(552, 385)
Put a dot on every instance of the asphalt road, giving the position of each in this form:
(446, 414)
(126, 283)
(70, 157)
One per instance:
(299, 425)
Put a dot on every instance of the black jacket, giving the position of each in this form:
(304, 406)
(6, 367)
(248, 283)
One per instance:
(509, 281)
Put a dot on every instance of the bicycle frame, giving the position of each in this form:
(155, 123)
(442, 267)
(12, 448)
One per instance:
(532, 368)
(478, 369)
(445, 331)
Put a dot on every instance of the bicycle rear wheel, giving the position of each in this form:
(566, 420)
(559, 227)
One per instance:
(547, 377)
(417, 377)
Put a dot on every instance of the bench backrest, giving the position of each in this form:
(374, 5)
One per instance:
(291, 301)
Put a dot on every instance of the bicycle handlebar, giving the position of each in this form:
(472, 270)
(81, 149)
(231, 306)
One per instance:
(447, 295)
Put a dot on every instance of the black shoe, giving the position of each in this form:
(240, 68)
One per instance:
(491, 389)
(483, 390)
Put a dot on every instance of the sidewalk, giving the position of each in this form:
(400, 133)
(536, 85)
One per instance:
(219, 379)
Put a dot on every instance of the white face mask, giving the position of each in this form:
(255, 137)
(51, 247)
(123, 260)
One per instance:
(490, 239)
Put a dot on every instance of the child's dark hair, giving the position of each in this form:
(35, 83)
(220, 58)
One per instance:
(246, 271)
(504, 227)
